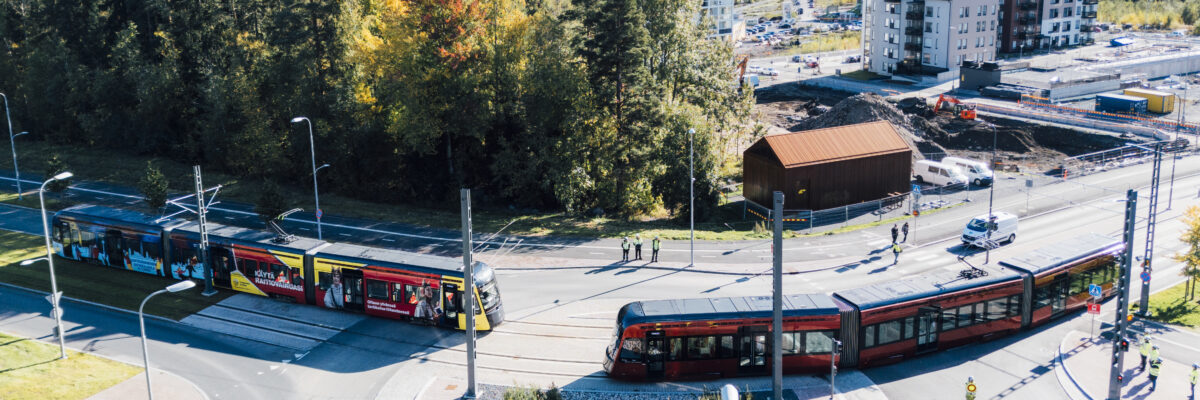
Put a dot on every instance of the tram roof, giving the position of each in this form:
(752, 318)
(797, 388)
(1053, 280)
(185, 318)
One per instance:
(250, 235)
(726, 308)
(393, 256)
(922, 286)
(92, 211)
(1063, 253)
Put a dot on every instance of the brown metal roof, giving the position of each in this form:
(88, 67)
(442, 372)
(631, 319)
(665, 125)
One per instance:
(839, 143)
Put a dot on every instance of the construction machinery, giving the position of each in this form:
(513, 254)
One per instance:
(962, 110)
(741, 69)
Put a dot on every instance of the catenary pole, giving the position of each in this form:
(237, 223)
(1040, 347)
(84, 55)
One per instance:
(1123, 282)
(691, 199)
(777, 300)
(468, 291)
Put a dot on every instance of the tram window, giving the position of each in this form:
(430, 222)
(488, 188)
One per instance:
(1041, 296)
(674, 349)
(397, 293)
(997, 308)
(949, 319)
(87, 238)
(324, 279)
(908, 328)
(980, 313)
(869, 336)
(297, 278)
(964, 315)
(1014, 305)
(631, 350)
(377, 289)
(790, 345)
(727, 349)
(818, 342)
(280, 273)
(248, 267)
(702, 347)
(889, 332)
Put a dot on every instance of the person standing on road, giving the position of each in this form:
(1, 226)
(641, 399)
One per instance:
(654, 246)
(1154, 370)
(1154, 353)
(625, 248)
(1144, 349)
(896, 253)
(637, 246)
(1192, 378)
(905, 231)
(895, 233)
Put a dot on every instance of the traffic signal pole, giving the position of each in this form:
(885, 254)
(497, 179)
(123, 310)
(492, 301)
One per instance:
(1115, 377)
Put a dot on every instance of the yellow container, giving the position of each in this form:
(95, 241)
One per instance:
(1159, 102)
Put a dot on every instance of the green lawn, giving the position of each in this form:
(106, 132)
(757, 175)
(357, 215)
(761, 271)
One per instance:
(31, 200)
(30, 369)
(105, 285)
(1170, 306)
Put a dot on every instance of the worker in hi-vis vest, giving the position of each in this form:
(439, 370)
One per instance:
(971, 388)
(1144, 349)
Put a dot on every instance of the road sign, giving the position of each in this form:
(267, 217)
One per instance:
(1096, 291)
(320, 213)
(916, 189)
(1145, 276)
(1093, 308)
(58, 296)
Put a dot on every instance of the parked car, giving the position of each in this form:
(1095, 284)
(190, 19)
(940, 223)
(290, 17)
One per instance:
(770, 72)
(977, 171)
(785, 26)
(796, 59)
(1003, 226)
(852, 59)
(936, 173)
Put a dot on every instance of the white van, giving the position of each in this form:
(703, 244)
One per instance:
(1004, 229)
(976, 171)
(936, 173)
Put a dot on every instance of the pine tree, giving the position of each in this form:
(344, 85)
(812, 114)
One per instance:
(153, 186)
(271, 201)
(54, 166)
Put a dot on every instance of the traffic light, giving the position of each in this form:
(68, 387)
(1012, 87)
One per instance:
(838, 350)
(1124, 344)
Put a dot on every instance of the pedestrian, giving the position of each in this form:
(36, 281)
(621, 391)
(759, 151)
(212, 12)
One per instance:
(654, 246)
(1195, 374)
(637, 247)
(1154, 370)
(895, 233)
(1154, 353)
(1144, 349)
(905, 230)
(971, 388)
(625, 248)
(896, 252)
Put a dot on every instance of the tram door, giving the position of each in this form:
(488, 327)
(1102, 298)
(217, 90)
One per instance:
(752, 359)
(352, 282)
(114, 248)
(1059, 290)
(927, 329)
(655, 352)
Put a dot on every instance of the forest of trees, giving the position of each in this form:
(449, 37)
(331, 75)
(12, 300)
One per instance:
(551, 104)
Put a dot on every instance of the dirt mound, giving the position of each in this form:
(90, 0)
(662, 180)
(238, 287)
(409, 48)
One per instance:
(869, 107)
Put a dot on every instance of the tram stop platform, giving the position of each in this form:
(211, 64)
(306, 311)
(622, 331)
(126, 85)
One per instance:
(1084, 371)
(167, 386)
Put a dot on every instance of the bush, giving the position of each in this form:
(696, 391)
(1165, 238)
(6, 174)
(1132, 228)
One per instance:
(153, 186)
(271, 201)
(532, 393)
(54, 166)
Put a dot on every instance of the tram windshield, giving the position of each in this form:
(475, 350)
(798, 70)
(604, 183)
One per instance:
(485, 278)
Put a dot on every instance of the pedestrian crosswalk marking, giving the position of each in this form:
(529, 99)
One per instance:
(924, 257)
(878, 243)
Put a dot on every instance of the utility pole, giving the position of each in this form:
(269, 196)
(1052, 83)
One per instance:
(777, 301)
(1115, 377)
(201, 212)
(468, 291)
(1151, 219)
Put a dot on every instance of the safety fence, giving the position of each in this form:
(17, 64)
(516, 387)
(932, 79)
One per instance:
(1045, 104)
(860, 213)
(1068, 119)
(1134, 154)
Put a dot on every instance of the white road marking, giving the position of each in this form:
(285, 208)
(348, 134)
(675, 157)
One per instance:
(389, 240)
(595, 253)
(877, 243)
(950, 268)
(344, 234)
(926, 256)
(709, 256)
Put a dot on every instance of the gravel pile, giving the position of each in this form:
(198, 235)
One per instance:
(869, 107)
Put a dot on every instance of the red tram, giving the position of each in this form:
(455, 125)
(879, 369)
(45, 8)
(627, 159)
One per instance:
(379, 282)
(878, 324)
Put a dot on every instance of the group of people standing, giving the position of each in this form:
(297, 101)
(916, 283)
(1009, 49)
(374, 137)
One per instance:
(655, 245)
(896, 249)
(1149, 353)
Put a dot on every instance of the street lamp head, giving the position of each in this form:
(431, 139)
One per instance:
(64, 175)
(22, 133)
(323, 166)
(298, 119)
(181, 286)
(691, 131)
(32, 260)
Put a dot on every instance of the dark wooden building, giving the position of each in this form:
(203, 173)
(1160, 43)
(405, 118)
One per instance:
(827, 168)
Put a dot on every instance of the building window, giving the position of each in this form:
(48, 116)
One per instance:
(926, 58)
(1066, 26)
(929, 27)
(1053, 13)
(1067, 11)
(928, 11)
(962, 12)
(993, 25)
(982, 11)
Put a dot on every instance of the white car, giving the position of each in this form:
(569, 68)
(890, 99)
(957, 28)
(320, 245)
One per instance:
(770, 72)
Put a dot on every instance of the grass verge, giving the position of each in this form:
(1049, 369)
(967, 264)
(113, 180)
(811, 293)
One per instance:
(1172, 306)
(31, 370)
(104, 285)
(30, 200)
(862, 75)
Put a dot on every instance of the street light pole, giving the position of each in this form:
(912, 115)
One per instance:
(180, 286)
(692, 199)
(312, 147)
(54, 296)
(991, 196)
(12, 139)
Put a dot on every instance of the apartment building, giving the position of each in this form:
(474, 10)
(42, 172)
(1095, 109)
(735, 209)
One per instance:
(928, 39)
(1046, 24)
(725, 23)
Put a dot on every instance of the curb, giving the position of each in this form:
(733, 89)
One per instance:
(104, 306)
(1063, 373)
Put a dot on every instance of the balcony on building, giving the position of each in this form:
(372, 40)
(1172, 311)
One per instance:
(1027, 19)
(913, 31)
(1090, 2)
(1028, 5)
(912, 46)
(914, 15)
(891, 1)
(1089, 15)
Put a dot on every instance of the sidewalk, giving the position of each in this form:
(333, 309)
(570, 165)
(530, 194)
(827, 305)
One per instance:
(166, 386)
(1084, 363)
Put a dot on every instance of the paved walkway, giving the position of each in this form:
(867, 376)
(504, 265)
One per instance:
(166, 386)
(1085, 371)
